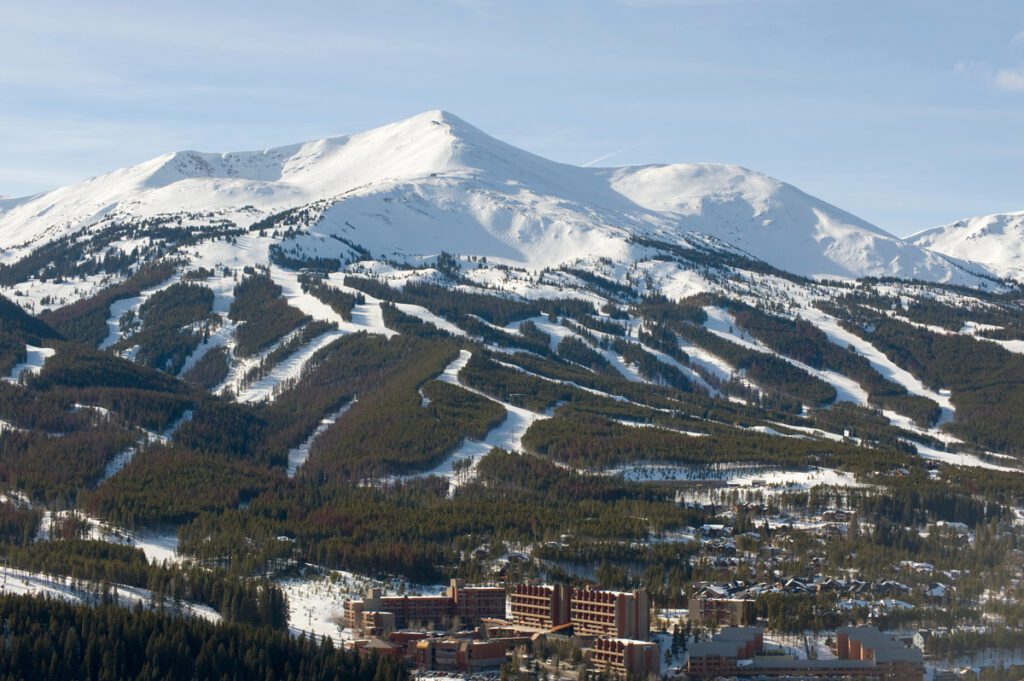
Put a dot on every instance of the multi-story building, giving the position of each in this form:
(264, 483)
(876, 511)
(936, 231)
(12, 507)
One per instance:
(721, 612)
(899, 662)
(624, 658)
(455, 654)
(376, 613)
(474, 603)
(591, 612)
(540, 606)
(615, 614)
(861, 652)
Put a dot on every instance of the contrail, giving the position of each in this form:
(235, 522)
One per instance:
(608, 156)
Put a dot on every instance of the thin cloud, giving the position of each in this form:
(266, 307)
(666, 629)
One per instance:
(1006, 78)
(1011, 80)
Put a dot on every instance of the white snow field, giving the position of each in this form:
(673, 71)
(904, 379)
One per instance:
(158, 547)
(996, 241)
(316, 599)
(16, 581)
(35, 357)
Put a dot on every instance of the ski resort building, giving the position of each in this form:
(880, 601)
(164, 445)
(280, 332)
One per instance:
(623, 658)
(591, 612)
(618, 614)
(861, 652)
(721, 612)
(540, 606)
(376, 613)
(460, 654)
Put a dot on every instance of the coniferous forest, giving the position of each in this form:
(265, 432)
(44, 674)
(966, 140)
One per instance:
(630, 416)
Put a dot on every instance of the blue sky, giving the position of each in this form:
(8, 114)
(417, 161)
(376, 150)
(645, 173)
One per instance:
(907, 113)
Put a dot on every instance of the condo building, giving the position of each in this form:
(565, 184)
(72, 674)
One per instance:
(861, 652)
(376, 613)
(623, 658)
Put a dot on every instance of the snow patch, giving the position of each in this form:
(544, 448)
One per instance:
(35, 357)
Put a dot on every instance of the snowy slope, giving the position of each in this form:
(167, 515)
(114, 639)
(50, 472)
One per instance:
(433, 182)
(776, 222)
(996, 241)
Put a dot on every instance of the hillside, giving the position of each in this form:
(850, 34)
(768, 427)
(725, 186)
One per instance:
(996, 241)
(418, 353)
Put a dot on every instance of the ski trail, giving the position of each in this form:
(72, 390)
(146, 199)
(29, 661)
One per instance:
(298, 455)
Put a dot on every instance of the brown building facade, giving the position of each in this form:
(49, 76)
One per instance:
(624, 658)
(376, 613)
(862, 652)
(722, 612)
(592, 612)
(615, 614)
(540, 606)
(460, 654)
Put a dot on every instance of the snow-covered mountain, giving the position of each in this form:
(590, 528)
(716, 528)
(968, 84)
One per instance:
(433, 182)
(997, 241)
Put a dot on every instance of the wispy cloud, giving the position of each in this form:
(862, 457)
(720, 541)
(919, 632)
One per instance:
(1011, 80)
(1006, 78)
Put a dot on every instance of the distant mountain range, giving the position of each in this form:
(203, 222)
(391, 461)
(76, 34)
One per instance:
(435, 183)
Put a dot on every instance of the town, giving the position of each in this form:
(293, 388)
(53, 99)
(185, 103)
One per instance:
(560, 631)
(778, 587)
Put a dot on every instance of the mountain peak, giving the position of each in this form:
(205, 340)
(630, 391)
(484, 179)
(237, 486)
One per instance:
(996, 241)
(433, 182)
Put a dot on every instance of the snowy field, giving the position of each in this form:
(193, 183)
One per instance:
(23, 582)
(316, 600)
(158, 547)
(752, 476)
(35, 357)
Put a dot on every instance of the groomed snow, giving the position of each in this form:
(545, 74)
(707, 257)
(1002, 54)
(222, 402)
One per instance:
(429, 317)
(298, 455)
(115, 465)
(366, 317)
(35, 357)
(119, 308)
(843, 338)
(723, 325)
(288, 369)
(968, 460)
(507, 435)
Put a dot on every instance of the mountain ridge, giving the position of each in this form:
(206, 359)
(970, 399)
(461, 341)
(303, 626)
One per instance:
(449, 186)
(995, 240)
